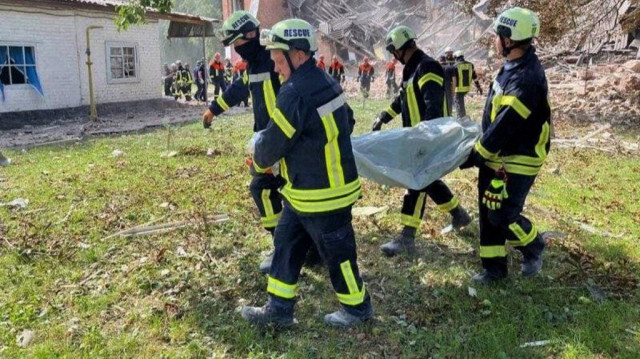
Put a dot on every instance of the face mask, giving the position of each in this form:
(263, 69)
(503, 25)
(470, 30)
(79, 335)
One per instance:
(249, 50)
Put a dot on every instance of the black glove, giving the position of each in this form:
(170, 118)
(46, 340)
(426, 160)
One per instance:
(377, 124)
(473, 160)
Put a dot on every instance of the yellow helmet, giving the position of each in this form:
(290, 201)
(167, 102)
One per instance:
(517, 24)
(290, 34)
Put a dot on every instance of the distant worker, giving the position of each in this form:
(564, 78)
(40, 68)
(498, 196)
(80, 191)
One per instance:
(167, 80)
(228, 71)
(449, 72)
(365, 76)
(514, 144)
(240, 72)
(217, 72)
(200, 78)
(392, 85)
(423, 99)
(336, 69)
(187, 81)
(465, 72)
(448, 54)
(321, 65)
(309, 136)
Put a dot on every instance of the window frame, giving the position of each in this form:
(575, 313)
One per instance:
(22, 44)
(119, 44)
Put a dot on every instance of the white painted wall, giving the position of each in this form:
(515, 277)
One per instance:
(60, 43)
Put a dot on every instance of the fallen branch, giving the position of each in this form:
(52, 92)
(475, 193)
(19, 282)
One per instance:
(146, 229)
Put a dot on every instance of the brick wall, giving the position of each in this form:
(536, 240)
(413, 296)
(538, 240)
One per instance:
(60, 43)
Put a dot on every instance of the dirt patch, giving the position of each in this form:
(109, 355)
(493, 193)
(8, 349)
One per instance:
(112, 120)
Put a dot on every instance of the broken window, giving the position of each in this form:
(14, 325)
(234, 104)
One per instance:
(18, 67)
(122, 62)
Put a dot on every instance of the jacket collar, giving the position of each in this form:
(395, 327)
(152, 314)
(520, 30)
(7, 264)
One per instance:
(521, 61)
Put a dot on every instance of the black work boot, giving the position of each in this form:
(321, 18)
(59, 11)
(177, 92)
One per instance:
(532, 256)
(460, 218)
(405, 242)
(343, 319)
(487, 277)
(268, 314)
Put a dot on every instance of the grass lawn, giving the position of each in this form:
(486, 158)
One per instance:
(176, 295)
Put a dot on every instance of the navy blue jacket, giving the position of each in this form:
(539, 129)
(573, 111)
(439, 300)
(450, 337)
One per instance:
(517, 118)
(262, 81)
(309, 135)
(422, 96)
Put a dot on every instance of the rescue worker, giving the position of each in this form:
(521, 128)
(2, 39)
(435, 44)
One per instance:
(242, 31)
(167, 79)
(228, 72)
(336, 69)
(392, 86)
(515, 142)
(449, 72)
(200, 75)
(448, 54)
(365, 76)
(187, 82)
(239, 71)
(465, 72)
(321, 65)
(178, 81)
(421, 99)
(217, 72)
(309, 135)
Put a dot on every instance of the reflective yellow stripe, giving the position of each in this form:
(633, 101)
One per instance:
(281, 289)
(222, 103)
(419, 203)
(492, 251)
(430, 77)
(447, 207)
(269, 96)
(318, 194)
(410, 221)
(515, 104)
(323, 206)
(391, 112)
(349, 278)
(266, 202)
(259, 169)
(245, 77)
(355, 296)
(414, 112)
(284, 171)
(514, 168)
(484, 152)
(445, 110)
(461, 70)
(281, 121)
(523, 238)
(541, 146)
(270, 221)
(332, 152)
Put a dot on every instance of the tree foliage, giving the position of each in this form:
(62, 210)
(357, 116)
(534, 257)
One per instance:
(558, 17)
(133, 12)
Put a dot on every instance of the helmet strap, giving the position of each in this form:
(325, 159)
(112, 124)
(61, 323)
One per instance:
(286, 56)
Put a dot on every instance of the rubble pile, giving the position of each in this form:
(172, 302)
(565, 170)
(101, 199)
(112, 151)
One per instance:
(607, 92)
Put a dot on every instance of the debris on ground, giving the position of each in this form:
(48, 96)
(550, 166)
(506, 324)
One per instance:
(16, 203)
